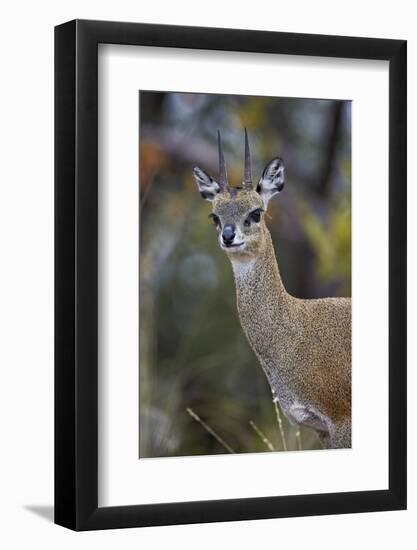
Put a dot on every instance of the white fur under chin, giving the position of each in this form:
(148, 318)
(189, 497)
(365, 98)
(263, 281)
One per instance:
(237, 247)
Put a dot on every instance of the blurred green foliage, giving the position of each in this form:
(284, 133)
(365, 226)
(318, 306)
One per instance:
(193, 354)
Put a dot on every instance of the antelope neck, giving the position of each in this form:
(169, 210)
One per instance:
(259, 286)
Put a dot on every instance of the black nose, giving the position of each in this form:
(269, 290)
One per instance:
(228, 234)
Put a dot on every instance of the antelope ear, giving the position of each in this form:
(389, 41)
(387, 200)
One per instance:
(272, 180)
(207, 186)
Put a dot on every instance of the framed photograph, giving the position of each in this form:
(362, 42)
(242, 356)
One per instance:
(230, 255)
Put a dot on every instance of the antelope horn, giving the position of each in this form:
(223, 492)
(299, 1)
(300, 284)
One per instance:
(247, 183)
(222, 166)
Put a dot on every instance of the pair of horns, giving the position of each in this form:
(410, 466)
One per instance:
(247, 182)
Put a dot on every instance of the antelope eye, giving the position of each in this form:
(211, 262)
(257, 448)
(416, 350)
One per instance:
(254, 216)
(216, 219)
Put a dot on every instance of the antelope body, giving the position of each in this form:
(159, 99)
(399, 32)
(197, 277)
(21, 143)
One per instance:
(303, 346)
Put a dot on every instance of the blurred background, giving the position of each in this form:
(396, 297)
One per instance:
(202, 390)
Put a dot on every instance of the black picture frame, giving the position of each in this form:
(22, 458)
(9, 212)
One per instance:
(76, 272)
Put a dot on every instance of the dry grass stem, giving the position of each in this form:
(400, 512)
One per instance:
(216, 436)
(262, 436)
(281, 427)
(298, 438)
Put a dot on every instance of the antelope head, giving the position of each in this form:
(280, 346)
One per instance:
(238, 212)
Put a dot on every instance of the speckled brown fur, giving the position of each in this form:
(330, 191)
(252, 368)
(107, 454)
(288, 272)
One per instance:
(304, 346)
